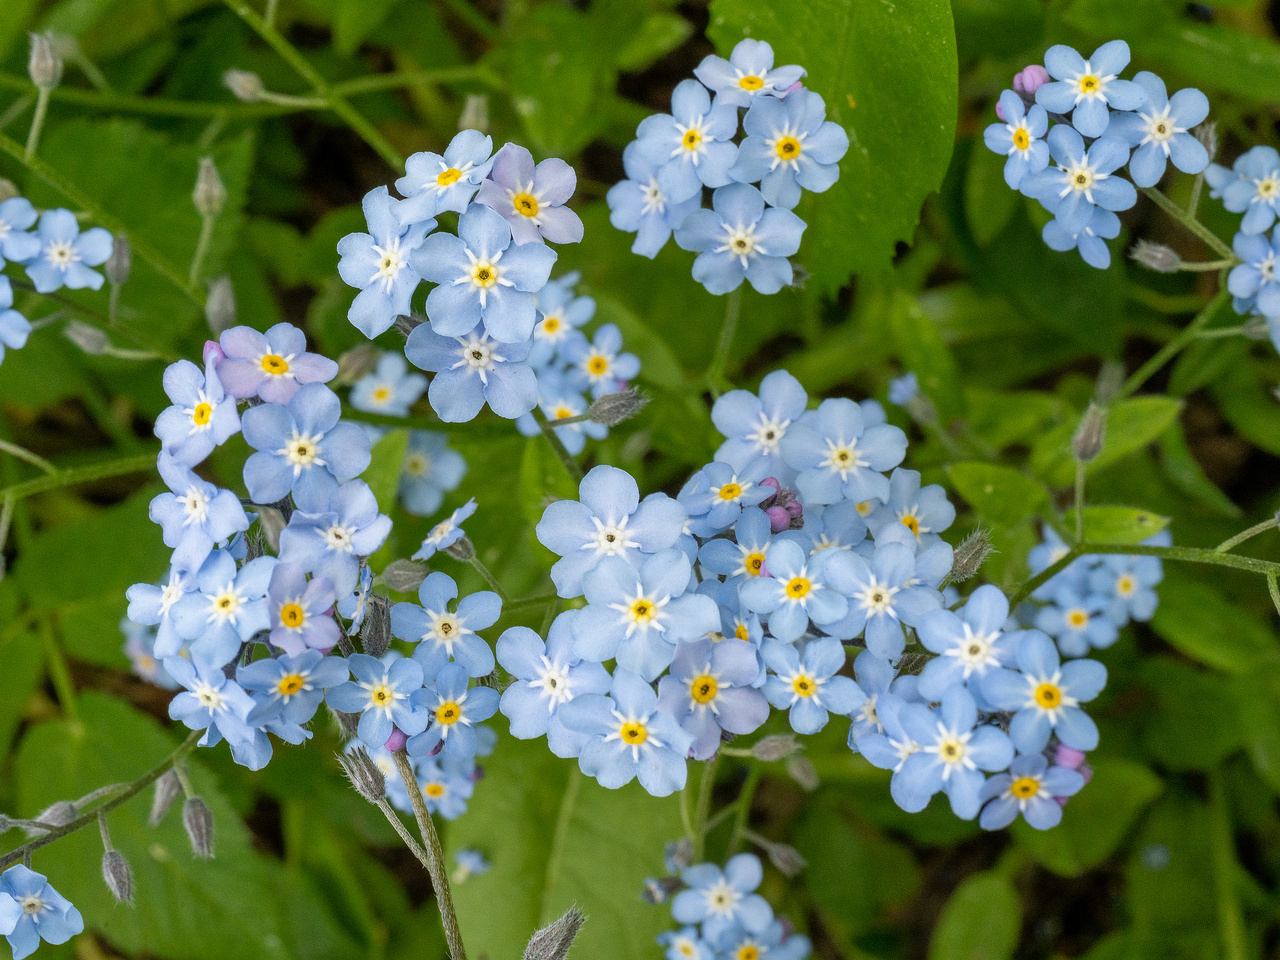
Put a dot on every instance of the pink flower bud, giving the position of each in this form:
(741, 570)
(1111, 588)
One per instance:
(771, 482)
(779, 519)
(795, 509)
(397, 739)
(213, 349)
(1068, 757)
(1030, 79)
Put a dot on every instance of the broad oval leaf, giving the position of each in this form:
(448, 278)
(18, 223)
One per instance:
(1000, 494)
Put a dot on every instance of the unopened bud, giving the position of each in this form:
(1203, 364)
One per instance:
(364, 774)
(405, 324)
(786, 858)
(89, 339)
(375, 632)
(199, 824)
(1087, 443)
(210, 195)
(462, 549)
(243, 84)
(775, 747)
(613, 408)
(45, 66)
(1156, 256)
(970, 555)
(802, 771)
(552, 942)
(404, 576)
(7, 190)
(349, 722)
(118, 876)
(59, 814)
(167, 789)
(359, 361)
(220, 307)
(1207, 134)
(799, 276)
(1110, 380)
(120, 262)
(271, 522)
(1030, 79)
(475, 113)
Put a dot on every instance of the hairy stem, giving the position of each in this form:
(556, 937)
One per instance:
(207, 223)
(557, 445)
(1190, 222)
(703, 808)
(743, 812)
(720, 360)
(37, 121)
(143, 463)
(22, 453)
(1232, 542)
(1081, 471)
(1171, 349)
(490, 579)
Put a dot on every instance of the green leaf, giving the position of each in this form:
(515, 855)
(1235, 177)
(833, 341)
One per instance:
(1126, 525)
(356, 20)
(1192, 617)
(383, 472)
(887, 72)
(1248, 406)
(1097, 819)
(1000, 494)
(557, 838)
(1168, 895)
(920, 347)
(981, 921)
(1195, 723)
(1131, 425)
(1185, 473)
(658, 35)
(23, 659)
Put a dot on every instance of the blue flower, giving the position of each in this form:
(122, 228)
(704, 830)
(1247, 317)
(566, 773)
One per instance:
(227, 608)
(1046, 695)
(330, 542)
(740, 944)
(66, 254)
(442, 634)
(607, 521)
(139, 647)
(1045, 554)
(748, 74)
(195, 516)
(926, 512)
(201, 418)
(382, 693)
(1075, 620)
(482, 278)
(952, 752)
(793, 593)
(547, 676)
(470, 863)
(531, 199)
(211, 702)
(808, 685)
(1090, 86)
(559, 400)
(430, 470)
(152, 606)
(446, 785)
(14, 327)
(744, 555)
(445, 533)
(970, 644)
(716, 495)
(638, 205)
(1082, 180)
(639, 615)
(471, 370)
(839, 456)
(685, 944)
(738, 238)
(302, 448)
(1130, 583)
(300, 612)
(16, 217)
(41, 912)
(453, 710)
(790, 144)
(390, 389)
(874, 676)
(433, 183)
(693, 145)
(599, 364)
(1031, 788)
(1255, 189)
(1159, 131)
(1019, 138)
(755, 425)
(377, 263)
(837, 526)
(629, 737)
(270, 365)
(709, 689)
(1256, 275)
(289, 689)
(724, 902)
(355, 604)
(904, 389)
(1102, 225)
(560, 311)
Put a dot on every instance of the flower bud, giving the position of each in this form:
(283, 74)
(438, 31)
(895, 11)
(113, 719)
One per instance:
(210, 195)
(118, 876)
(1207, 134)
(404, 576)
(347, 721)
(1156, 256)
(802, 771)
(199, 824)
(779, 519)
(786, 858)
(1030, 79)
(475, 113)
(1256, 327)
(1110, 380)
(272, 523)
(45, 66)
(552, 942)
(7, 190)
(1087, 442)
(89, 339)
(220, 307)
(167, 789)
(359, 361)
(364, 774)
(463, 549)
(120, 262)
(243, 84)
(775, 747)
(969, 556)
(213, 349)
(613, 408)
(375, 632)
(404, 325)
(58, 815)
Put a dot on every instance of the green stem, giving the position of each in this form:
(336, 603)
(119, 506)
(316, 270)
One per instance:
(686, 817)
(1193, 205)
(1232, 542)
(1170, 349)
(22, 453)
(720, 360)
(474, 19)
(703, 808)
(1231, 926)
(207, 223)
(415, 78)
(143, 463)
(1221, 332)
(1273, 587)
(59, 672)
(131, 791)
(743, 812)
(490, 579)
(1209, 266)
(557, 445)
(37, 121)
(1081, 471)
(1189, 221)
(529, 603)
(402, 832)
(157, 106)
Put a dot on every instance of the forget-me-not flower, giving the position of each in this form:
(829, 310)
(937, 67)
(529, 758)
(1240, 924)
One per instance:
(442, 634)
(14, 327)
(66, 254)
(837, 526)
(445, 533)
(1020, 138)
(1159, 131)
(1255, 276)
(1130, 583)
(1090, 240)
(638, 205)
(445, 785)
(195, 516)
(839, 456)
(430, 470)
(381, 693)
(925, 511)
(211, 702)
(377, 263)
(970, 643)
(1075, 620)
(807, 685)
(152, 606)
(300, 611)
(693, 145)
(434, 183)
(1083, 179)
(738, 238)
(42, 912)
(790, 144)
(723, 901)
(390, 389)
(1089, 87)
(531, 198)
(598, 364)
(226, 609)
(202, 416)
(291, 688)
(472, 370)
(754, 425)
(709, 689)
(793, 593)
(684, 944)
(1029, 788)
(17, 215)
(330, 542)
(774, 942)
(742, 556)
(716, 495)
(270, 365)
(560, 311)
(1255, 188)
(748, 74)
(453, 710)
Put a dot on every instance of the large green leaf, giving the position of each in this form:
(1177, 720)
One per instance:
(557, 838)
(980, 921)
(1131, 425)
(998, 493)
(888, 74)
(1202, 623)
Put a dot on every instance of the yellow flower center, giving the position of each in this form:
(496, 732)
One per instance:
(1089, 84)
(526, 204)
(641, 610)
(730, 491)
(1077, 618)
(1021, 139)
(382, 394)
(1048, 695)
(741, 632)
(484, 274)
(550, 324)
(753, 562)
(448, 712)
(275, 364)
(788, 148)
(748, 952)
(703, 689)
(751, 82)
(804, 685)
(1268, 188)
(202, 414)
(445, 177)
(691, 139)
(435, 790)
(1125, 585)
(633, 733)
(292, 615)
(1024, 788)
(290, 684)
(798, 587)
(381, 695)
(912, 524)
(415, 464)
(865, 507)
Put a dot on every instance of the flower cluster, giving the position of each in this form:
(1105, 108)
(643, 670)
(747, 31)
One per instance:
(1252, 188)
(31, 911)
(1101, 123)
(55, 254)
(788, 144)
(723, 917)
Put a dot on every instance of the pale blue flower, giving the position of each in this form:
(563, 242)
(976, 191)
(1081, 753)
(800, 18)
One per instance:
(377, 263)
(925, 511)
(693, 145)
(560, 312)
(793, 593)
(66, 254)
(442, 634)
(598, 364)
(709, 690)
(17, 216)
(195, 516)
(226, 610)
(1089, 87)
(430, 470)
(42, 912)
(790, 144)
(445, 533)
(434, 183)
(300, 611)
(453, 710)
(807, 684)
(1159, 131)
(839, 456)
(330, 541)
(739, 239)
(390, 389)
(723, 901)
(1090, 240)
(1031, 788)
(14, 327)
(291, 688)
(381, 693)
(970, 644)
(754, 425)
(748, 74)
(531, 198)
(638, 205)
(202, 416)
(472, 370)
(1255, 188)
(1083, 179)
(1020, 138)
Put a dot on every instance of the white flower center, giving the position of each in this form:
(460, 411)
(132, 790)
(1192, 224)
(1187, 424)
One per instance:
(196, 506)
(741, 242)
(32, 905)
(768, 433)
(1081, 178)
(338, 538)
(61, 254)
(390, 262)
(722, 899)
(417, 464)
(1160, 128)
(611, 539)
(224, 606)
(975, 650)
(478, 355)
(302, 450)
(877, 598)
(554, 682)
(209, 698)
(170, 593)
(446, 629)
(843, 458)
(654, 200)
